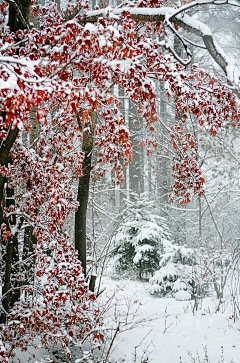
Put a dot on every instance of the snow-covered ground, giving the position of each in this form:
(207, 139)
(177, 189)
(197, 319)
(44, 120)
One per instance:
(177, 335)
(161, 330)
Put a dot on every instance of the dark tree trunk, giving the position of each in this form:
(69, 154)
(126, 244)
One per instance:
(28, 257)
(10, 290)
(10, 246)
(15, 274)
(81, 214)
(19, 14)
(4, 156)
(15, 292)
(7, 281)
(83, 193)
(18, 18)
(92, 283)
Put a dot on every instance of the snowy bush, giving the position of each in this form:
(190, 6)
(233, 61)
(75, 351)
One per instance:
(139, 243)
(176, 274)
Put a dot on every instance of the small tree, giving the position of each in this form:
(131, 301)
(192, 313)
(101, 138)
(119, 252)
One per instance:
(176, 276)
(140, 241)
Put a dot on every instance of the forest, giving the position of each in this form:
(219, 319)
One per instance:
(119, 181)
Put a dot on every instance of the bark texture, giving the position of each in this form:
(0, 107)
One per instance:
(83, 193)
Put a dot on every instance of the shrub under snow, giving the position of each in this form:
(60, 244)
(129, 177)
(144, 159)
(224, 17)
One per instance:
(175, 278)
(139, 243)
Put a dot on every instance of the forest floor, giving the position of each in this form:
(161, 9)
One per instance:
(160, 330)
(177, 335)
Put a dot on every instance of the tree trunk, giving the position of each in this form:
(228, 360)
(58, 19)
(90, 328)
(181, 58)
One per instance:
(135, 168)
(92, 283)
(10, 246)
(19, 13)
(7, 281)
(11, 282)
(35, 127)
(28, 257)
(4, 155)
(18, 19)
(83, 193)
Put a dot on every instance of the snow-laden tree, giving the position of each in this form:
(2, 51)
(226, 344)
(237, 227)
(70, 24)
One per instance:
(177, 274)
(139, 241)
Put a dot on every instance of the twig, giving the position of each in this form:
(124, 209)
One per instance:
(112, 341)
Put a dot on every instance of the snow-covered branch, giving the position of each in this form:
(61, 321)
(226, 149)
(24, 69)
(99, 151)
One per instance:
(186, 22)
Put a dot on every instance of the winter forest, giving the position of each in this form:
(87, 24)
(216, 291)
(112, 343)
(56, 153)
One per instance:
(119, 181)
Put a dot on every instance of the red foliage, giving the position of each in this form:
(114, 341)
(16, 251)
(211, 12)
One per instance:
(64, 313)
(185, 169)
(65, 70)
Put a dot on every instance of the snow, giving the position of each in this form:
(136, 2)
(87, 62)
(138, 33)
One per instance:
(166, 271)
(196, 24)
(163, 11)
(7, 64)
(165, 328)
(177, 332)
(11, 83)
(140, 251)
(114, 30)
(124, 64)
(232, 74)
(182, 295)
(91, 27)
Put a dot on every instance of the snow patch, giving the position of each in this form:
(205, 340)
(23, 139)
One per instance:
(182, 295)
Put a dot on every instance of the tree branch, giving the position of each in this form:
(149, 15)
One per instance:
(180, 18)
(18, 11)
(6, 145)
